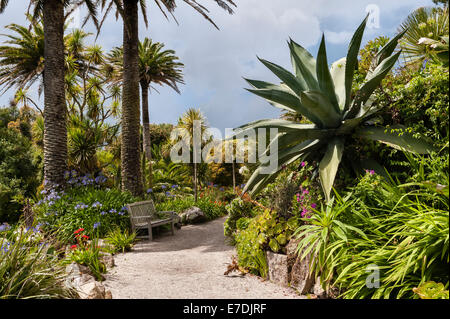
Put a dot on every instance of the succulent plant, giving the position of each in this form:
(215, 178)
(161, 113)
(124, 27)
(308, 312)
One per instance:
(324, 97)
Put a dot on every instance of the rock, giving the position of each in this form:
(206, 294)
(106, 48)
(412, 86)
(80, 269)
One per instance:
(178, 223)
(92, 290)
(108, 260)
(299, 277)
(318, 290)
(278, 268)
(79, 278)
(192, 215)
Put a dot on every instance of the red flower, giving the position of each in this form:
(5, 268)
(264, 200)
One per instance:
(85, 237)
(78, 230)
(74, 247)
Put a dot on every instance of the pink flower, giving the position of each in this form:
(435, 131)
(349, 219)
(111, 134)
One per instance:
(313, 205)
(303, 164)
(306, 191)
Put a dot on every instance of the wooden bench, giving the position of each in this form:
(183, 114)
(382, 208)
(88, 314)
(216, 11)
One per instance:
(143, 215)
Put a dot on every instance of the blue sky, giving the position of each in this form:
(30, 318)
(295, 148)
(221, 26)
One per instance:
(216, 61)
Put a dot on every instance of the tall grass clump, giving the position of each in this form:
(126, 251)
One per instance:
(30, 267)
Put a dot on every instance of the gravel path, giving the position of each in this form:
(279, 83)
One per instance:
(189, 265)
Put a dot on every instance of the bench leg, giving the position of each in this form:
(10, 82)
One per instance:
(150, 235)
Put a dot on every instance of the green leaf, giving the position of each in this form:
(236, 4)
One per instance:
(385, 52)
(304, 65)
(397, 137)
(352, 61)
(324, 77)
(274, 245)
(286, 99)
(338, 75)
(285, 76)
(329, 165)
(364, 93)
(321, 106)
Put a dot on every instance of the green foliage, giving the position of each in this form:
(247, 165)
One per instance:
(87, 254)
(19, 164)
(423, 103)
(339, 116)
(266, 231)
(237, 209)
(425, 22)
(121, 241)
(212, 209)
(400, 228)
(30, 268)
(94, 209)
(431, 290)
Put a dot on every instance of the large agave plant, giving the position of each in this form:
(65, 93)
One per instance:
(324, 96)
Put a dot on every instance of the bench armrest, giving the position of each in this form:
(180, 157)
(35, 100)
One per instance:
(170, 213)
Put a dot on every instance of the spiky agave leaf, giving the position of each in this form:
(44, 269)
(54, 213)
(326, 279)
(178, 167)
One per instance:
(323, 96)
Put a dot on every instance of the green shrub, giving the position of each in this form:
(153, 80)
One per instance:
(212, 209)
(403, 229)
(431, 290)
(18, 172)
(121, 241)
(237, 209)
(266, 231)
(94, 209)
(30, 267)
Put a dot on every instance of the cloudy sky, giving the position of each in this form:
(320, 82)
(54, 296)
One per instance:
(216, 61)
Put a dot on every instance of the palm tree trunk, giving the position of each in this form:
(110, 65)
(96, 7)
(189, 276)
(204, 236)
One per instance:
(55, 129)
(130, 148)
(147, 146)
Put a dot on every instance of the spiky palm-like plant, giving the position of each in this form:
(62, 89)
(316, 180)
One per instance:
(187, 125)
(324, 96)
(128, 11)
(55, 134)
(426, 22)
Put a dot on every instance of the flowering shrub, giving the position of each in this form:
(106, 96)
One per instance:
(87, 254)
(90, 207)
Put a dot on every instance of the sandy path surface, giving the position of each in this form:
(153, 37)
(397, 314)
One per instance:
(188, 265)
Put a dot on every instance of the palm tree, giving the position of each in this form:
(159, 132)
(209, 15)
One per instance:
(55, 134)
(426, 22)
(188, 123)
(155, 66)
(128, 10)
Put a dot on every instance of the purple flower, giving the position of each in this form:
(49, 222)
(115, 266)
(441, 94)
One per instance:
(313, 205)
(149, 190)
(96, 225)
(113, 210)
(103, 213)
(306, 192)
(97, 204)
(163, 186)
(304, 212)
(303, 164)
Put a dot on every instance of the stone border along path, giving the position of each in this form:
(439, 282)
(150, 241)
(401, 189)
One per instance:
(189, 265)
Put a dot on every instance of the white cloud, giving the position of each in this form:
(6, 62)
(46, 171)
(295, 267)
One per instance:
(216, 61)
